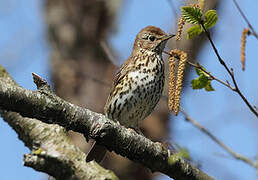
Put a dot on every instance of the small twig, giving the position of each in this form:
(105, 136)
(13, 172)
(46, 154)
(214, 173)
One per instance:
(255, 108)
(41, 83)
(230, 71)
(220, 143)
(245, 18)
(108, 52)
(210, 75)
(167, 53)
(97, 80)
(235, 155)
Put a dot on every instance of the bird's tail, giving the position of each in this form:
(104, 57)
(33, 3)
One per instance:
(97, 153)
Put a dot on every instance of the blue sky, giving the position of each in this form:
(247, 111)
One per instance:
(24, 49)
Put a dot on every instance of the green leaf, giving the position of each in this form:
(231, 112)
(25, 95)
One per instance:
(200, 71)
(210, 19)
(202, 81)
(194, 31)
(191, 15)
(199, 82)
(208, 87)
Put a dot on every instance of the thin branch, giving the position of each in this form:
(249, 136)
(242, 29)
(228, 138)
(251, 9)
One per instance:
(230, 72)
(235, 155)
(235, 89)
(94, 79)
(208, 73)
(211, 76)
(108, 52)
(50, 108)
(246, 20)
(196, 124)
(220, 143)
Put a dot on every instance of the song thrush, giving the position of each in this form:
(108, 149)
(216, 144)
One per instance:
(138, 84)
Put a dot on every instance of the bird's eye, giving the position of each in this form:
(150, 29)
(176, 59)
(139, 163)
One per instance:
(151, 38)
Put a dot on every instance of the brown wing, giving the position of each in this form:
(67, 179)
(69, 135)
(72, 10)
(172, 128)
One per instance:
(121, 72)
(127, 66)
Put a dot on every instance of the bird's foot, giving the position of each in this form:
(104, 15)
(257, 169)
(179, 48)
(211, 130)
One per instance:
(137, 130)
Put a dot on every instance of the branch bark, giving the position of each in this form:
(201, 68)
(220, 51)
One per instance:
(52, 151)
(49, 108)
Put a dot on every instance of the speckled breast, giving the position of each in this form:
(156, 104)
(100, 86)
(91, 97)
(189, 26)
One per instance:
(139, 94)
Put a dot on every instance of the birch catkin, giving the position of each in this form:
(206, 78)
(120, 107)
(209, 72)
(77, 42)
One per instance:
(179, 81)
(180, 26)
(245, 32)
(172, 82)
(176, 79)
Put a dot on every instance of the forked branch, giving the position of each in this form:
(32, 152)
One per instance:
(49, 108)
(230, 72)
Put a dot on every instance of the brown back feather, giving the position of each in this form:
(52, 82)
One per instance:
(127, 67)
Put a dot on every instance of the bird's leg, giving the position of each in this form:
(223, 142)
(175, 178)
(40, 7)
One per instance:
(136, 129)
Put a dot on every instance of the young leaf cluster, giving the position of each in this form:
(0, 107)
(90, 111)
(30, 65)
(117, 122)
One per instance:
(202, 81)
(194, 15)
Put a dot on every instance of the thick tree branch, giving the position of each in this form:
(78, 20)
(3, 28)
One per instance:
(52, 150)
(49, 108)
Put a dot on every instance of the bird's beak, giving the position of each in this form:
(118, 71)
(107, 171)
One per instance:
(167, 37)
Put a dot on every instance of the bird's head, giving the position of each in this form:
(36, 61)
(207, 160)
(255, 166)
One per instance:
(151, 38)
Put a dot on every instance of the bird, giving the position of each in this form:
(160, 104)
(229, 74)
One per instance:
(137, 86)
